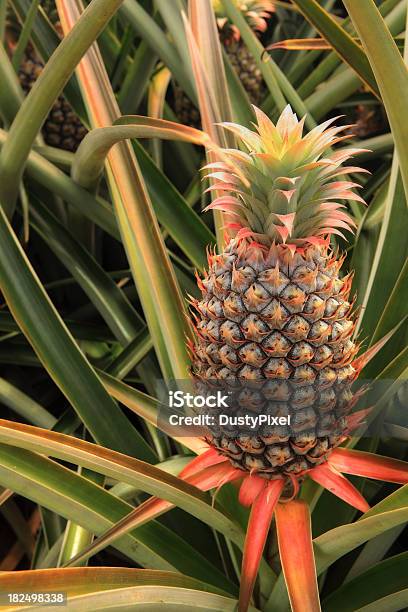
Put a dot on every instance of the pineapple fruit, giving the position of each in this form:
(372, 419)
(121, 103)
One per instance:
(257, 13)
(275, 318)
(63, 128)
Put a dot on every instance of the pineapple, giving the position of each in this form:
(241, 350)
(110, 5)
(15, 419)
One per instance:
(256, 12)
(274, 323)
(63, 128)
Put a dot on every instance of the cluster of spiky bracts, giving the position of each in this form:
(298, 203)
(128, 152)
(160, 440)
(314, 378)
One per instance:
(256, 13)
(274, 323)
(286, 190)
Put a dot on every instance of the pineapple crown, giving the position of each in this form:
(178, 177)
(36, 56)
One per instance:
(285, 191)
(256, 12)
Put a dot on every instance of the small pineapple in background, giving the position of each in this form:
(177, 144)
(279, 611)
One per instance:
(63, 128)
(257, 13)
(274, 320)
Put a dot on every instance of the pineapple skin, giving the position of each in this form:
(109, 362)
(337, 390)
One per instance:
(63, 128)
(277, 324)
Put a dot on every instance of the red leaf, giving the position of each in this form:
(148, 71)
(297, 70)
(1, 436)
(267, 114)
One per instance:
(329, 478)
(369, 465)
(209, 478)
(297, 558)
(258, 527)
(214, 476)
(355, 419)
(210, 457)
(250, 489)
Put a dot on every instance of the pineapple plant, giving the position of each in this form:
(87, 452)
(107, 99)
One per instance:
(257, 13)
(79, 446)
(275, 317)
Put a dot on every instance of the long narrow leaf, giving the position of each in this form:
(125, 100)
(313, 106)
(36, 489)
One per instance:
(297, 558)
(76, 498)
(334, 482)
(110, 301)
(153, 508)
(369, 465)
(348, 49)
(147, 408)
(389, 69)
(385, 578)
(257, 532)
(158, 598)
(338, 542)
(25, 406)
(159, 293)
(77, 581)
(118, 466)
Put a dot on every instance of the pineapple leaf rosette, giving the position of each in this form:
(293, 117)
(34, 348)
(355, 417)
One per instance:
(275, 325)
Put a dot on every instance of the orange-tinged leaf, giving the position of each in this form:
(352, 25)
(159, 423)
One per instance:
(204, 39)
(369, 465)
(312, 44)
(210, 457)
(356, 419)
(148, 510)
(328, 477)
(296, 553)
(209, 478)
(257, 532)
(157, 286)
(210, 81)
(250, 489)
(214, 476)
(300, 44)
(90, 158)
(361, 361)
(82, 580)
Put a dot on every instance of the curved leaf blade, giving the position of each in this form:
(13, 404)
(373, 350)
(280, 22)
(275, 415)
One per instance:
(121, 467)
